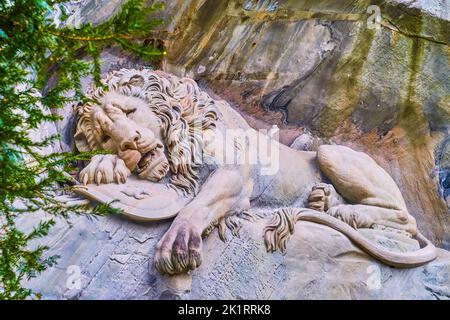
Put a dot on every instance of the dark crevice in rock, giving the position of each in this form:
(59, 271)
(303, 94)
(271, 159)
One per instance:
(443, 168)
(410, 35)
(280, 100)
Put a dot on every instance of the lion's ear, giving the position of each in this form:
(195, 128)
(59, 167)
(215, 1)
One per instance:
(81, 142)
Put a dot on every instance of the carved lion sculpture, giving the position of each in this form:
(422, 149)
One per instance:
(161, 127)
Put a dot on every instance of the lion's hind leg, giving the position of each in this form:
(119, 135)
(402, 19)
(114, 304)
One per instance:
(374, 196)
(324, 198)
(366, 216)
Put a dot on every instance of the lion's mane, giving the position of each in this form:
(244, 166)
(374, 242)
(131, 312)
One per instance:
(184, 109)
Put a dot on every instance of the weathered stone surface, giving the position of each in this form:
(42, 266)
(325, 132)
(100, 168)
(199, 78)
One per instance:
(115, 257)
(306, 142)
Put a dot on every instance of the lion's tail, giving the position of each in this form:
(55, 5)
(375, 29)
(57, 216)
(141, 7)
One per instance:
(277, 232)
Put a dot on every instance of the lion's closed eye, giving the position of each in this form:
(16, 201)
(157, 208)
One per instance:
(105, 138)
(129, 112)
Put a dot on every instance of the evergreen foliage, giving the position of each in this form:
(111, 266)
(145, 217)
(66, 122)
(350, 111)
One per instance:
(33, 49)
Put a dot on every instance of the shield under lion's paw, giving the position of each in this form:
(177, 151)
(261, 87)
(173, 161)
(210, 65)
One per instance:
(141, 200)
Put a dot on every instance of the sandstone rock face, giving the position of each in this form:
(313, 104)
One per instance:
(114, 258)
(306, 142)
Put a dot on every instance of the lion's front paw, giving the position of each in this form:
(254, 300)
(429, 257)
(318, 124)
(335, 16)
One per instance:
(180, 249)
(323, 197)
(106, 168)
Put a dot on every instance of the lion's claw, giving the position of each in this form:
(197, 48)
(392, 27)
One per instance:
(121, 172)
(105, 169)
(98, 179)
(85, 178)
(180, 249)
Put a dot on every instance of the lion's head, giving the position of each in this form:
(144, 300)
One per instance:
(152, 120)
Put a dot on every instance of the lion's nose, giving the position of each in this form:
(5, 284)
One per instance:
(130, 142)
